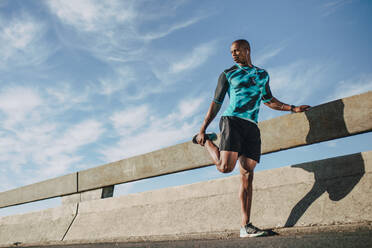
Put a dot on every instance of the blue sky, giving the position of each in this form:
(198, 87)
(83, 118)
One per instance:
(87, 82)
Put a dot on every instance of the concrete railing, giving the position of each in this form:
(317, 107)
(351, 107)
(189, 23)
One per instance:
(325, 192)
(336, 119)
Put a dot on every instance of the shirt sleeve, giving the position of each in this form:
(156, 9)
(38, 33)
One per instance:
(221, 89)
(267, 96)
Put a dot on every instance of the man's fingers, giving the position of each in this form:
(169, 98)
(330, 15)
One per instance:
(303, 108)
(200, 140)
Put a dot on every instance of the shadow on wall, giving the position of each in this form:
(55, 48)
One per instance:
(336, 176)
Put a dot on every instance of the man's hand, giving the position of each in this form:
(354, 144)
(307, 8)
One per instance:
(301, 108)
(201, 139)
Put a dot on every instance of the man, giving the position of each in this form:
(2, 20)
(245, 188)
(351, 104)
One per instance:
(246, 85)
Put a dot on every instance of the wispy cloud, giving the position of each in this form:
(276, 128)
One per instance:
(92, 15)
(130, 119)
(171, 29)
(18, 104)
(332, 6)
(153, 131)
(267, 54)
(21, 42)
(120, 79)
(112, 30)
(352, 86)
(32, 140)
(296, 82)
(135, 81)
(198, 56)
(170, 69)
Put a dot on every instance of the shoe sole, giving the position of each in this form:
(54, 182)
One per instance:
(207, 137)
(253, 235)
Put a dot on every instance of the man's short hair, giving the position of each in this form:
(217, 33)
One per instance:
(244, 43)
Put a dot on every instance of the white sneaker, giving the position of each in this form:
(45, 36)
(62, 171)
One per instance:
(250, 231)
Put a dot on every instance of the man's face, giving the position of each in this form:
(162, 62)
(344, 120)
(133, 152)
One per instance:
(239, 53)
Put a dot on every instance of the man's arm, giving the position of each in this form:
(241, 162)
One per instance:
(211, 114)
(219, 95)
(278, 105)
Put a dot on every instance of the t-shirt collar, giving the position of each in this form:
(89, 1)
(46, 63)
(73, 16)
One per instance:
(245, 67)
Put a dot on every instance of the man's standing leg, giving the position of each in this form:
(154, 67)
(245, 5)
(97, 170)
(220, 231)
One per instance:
(247, 166)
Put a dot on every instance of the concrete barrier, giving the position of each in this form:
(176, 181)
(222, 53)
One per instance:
(345, 117)
(336, 119)
(41, 227)
(326, 192)
(59, 186)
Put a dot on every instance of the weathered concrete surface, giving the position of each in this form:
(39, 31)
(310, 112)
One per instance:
(340, 118)
(37, 227)
(326, 192)
(63, 185)
(332, 120)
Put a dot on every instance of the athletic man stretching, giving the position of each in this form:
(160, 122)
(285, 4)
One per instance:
(246, 85)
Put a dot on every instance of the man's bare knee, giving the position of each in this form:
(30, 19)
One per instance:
(247, 175)
(227, 161)
(225, 167)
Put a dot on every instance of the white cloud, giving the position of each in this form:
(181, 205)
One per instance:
(171, 29)
(32, 139)
(21, 42)
(119, 80)
(267, 54)
(17, 104)
(45, 151)
(81, 134)
(64, 96)
(332, 6)
(153, 138)
(92, 15)
(19, 99)
(130, 119)
(113, 30)
(154, 131)
(296, 82)
(352, 86)
(198, 56)
(19, 34)
(189, 107)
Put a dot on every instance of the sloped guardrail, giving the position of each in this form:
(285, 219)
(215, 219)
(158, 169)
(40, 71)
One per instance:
(332, 120)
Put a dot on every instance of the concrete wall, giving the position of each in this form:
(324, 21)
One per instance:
(332, 120)
(41, 227)
(326, 192)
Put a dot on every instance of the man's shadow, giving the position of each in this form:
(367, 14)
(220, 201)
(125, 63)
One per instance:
(337, 176)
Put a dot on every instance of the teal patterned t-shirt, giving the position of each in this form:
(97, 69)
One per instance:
(246, 87)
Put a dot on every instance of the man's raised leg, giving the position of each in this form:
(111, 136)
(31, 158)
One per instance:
(224, 160)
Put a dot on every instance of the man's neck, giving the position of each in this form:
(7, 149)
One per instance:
(245, 64)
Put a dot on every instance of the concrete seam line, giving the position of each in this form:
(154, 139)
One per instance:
(77, 182)
(72, 222)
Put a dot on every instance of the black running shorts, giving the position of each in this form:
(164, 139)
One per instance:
(240, 136)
